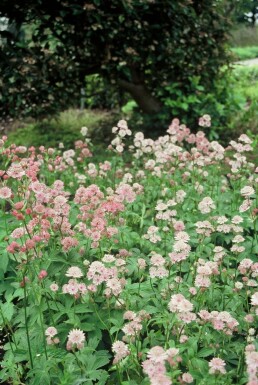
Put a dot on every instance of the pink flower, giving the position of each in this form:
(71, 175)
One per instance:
(74, 272)
(51, 331)
(76, 338)
(247, 191)
(42, 274)
(18, 233)
(206, 205)
(157, 354)
(68, 243)
(254, 299)
(187, 378)
(141, 263)
(54, 287)
(217, 365)
(5, 193)
(178, 304)
(121, 351)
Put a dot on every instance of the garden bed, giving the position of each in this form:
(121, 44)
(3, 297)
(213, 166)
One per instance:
(140, 267)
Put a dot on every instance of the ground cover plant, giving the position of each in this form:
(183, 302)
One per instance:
(139, 268)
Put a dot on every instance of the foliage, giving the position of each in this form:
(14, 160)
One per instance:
(138, 268)
(44, 68)
(246, 11)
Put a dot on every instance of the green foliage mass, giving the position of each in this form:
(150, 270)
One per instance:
(237, 108)
(48, 50)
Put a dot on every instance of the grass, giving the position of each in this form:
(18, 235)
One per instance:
(245, 53)
(245, 87)
(64, 128)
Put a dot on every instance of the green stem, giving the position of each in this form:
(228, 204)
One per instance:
(26, 322)
(43, 333)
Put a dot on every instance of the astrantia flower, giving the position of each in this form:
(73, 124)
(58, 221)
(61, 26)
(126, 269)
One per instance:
(254, 299)
(51, 331)
(247, 191)
(188, 378)
(121, 351)
(5, 193)
(74, 272)
(157, 354)
(216, 365)
(84, 131)
(206, 205)
(54, 287)
(76, 336)
(179, 304)
(18, 233)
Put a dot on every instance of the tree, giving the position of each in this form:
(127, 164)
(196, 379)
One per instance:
(246, 11)
(141, 46)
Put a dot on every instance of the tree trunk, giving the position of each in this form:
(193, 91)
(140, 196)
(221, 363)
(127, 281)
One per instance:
(147, 103)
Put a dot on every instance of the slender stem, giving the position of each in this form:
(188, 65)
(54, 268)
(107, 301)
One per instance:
(43, 333)
(26, 321)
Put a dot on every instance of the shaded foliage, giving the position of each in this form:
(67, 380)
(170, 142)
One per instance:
(139, 47)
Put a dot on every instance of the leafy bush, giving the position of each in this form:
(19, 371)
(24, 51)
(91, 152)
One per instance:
(137, 268)
(47, 52)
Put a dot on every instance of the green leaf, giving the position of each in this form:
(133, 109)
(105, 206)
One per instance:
(205, 352)
(7, 311)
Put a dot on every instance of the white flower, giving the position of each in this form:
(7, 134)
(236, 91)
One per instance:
(84, 131)
(74, 272)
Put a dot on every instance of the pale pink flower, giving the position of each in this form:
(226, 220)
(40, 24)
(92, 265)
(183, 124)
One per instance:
(179, 304)
(206, 205)
(76, 338)
(182, 236)
(157, 354)
(121, 350)
(247, 191)
(159, 272)
(157, 260)
(5, 193)
(18, 233)
(74, 272)
(245, 206)
(249, 318)
(16, 171)
(108, 258)
(183, 338)
(129, 315)
(202, 281)
(187, 378)
(178, 226)
(237, 219)
(54, 287)
(245, 139)
(254, 299)
(51, 331)
(217, 365)
(193, 290)
(141, 263)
